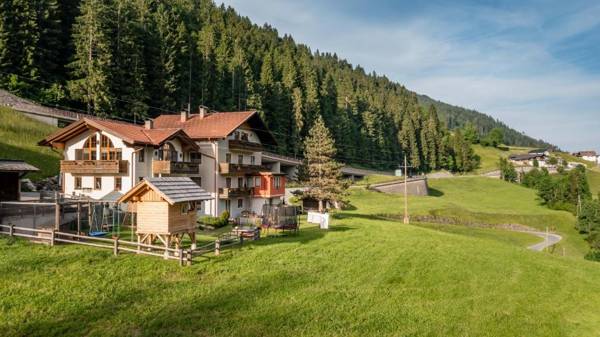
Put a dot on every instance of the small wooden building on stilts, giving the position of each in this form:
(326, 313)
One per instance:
(165, 209)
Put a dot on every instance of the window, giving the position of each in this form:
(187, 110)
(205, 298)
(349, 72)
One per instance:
(196, 157)
(240, 203)
(228, 182)
(277, 182)
(167, 152)
(142, 155)
(228, 205)
(89, 149)
(77, 183)
(228, 157)
(257, 182)
(252, 160)
(97, 183)
(250, 182)
(188, 207)
(240, 159)
(118, 183)
(240, 182)
(107, 150)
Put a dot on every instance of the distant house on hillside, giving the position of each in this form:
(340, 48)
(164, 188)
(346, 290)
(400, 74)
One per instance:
(588, 155)
(528, 159)
(540, 152)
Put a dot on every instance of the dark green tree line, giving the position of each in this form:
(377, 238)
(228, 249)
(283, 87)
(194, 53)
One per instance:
(137, 59)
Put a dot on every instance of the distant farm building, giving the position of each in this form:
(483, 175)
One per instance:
(588, 155)
(529, 159)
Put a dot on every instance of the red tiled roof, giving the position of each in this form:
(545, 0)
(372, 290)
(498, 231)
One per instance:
(130, 133)
(212, 126)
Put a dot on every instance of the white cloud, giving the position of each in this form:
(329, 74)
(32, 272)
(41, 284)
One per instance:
(471, 61)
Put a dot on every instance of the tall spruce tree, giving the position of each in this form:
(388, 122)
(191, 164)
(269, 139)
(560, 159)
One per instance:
(91, 68)
(324, 173)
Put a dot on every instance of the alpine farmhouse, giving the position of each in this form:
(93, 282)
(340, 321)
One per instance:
(220, 151)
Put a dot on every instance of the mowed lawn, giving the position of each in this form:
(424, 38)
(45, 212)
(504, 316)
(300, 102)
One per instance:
(366, 276)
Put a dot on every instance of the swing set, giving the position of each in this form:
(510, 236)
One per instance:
(106, 218)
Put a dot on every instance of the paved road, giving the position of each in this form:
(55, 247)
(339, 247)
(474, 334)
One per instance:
(551, 241)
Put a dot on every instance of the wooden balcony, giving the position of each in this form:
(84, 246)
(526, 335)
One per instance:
(175, 167)
(244, 145)
(226, 193)
(94, 166)
(240, 169)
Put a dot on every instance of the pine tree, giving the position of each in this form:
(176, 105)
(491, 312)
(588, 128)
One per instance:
(324, 173)
(91, 68)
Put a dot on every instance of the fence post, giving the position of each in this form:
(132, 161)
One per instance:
(52, 233)
(181, 256)
(11, 230)
(217, 247)
(189, 257)
(116, 247)
(57, 215)
(241, 240)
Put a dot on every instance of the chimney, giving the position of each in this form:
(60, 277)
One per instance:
(203, 111)
(184, 116)
(148, 124)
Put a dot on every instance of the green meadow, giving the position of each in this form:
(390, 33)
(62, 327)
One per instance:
(19, 136)
(369, 275)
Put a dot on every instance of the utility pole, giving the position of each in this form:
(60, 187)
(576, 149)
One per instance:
(406, 215)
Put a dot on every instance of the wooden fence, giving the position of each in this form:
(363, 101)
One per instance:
(184, 256)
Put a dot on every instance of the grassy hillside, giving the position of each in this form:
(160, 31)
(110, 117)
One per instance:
(366, 276)
(18, 140)
(491, 155)
(478, 201)
(593, 171)
(594, 180)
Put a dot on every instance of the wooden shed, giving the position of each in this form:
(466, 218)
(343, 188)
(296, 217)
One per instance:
(166, 209)
(11, 172)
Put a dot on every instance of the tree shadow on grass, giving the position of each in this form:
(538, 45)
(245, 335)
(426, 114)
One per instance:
(435, 193)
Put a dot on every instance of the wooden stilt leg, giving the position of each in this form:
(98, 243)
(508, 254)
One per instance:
(167, 242)
(193, 238)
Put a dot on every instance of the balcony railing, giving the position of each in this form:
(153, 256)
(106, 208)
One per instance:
(94, 166)
(175, 167)
(244, 145)
(226, 193)
(230, 168)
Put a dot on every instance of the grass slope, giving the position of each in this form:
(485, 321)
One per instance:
(18, 140)
(593, 176)
(477, 200)
(491, 155)
(365, 277)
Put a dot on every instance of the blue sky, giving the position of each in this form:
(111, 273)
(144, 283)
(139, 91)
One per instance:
(532, 64)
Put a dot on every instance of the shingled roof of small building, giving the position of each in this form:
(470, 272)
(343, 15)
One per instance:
(172, 189)
(12, 165)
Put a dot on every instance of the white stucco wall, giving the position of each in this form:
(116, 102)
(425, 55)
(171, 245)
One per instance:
(87, 181)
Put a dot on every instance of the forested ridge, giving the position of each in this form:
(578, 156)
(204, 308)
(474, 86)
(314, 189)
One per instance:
(135, 59)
